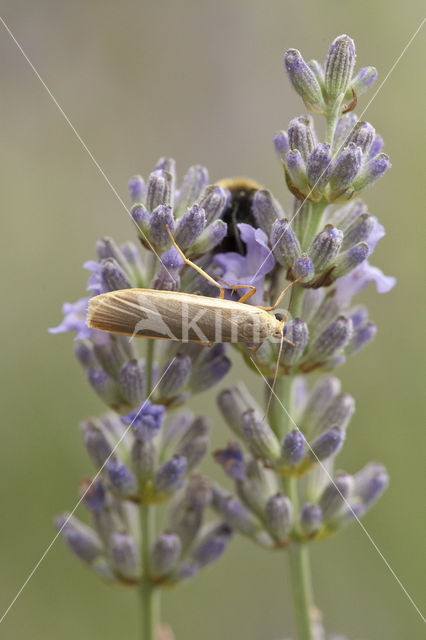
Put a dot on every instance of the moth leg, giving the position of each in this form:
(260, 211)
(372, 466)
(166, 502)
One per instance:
(195, 266)
(235, 287)
(256, 347)
(282, 294)
(204, 344)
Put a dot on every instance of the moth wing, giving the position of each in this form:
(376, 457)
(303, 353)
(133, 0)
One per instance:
(130, 312)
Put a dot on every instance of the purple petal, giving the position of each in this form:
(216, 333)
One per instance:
(251, 268)
(74, 319)
(355, 281)
(376, 234)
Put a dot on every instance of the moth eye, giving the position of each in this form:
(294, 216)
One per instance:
(279, 316)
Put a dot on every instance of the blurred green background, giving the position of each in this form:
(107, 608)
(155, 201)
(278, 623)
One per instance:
(203, 82)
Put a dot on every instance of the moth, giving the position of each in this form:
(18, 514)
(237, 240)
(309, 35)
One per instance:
(185, 317)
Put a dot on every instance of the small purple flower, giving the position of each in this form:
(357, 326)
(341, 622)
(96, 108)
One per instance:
(145, 421)
(74, 319)
(251, 268)
(355, 281)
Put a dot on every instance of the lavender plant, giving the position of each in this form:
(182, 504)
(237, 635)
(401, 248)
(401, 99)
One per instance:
(147, 448)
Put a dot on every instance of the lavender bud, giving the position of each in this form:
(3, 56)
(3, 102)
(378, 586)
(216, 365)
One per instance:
(317, 70)
(373, 170)
(281, 143)
(255, 488)
(194, 450)
(339, 67)
(310, 519)
(110, 357)
(93, 494)
(97, 445)
(302, 78)
(131, 381)
(175, 376)
(376, 147)
(311, 302)
(359, 231)
(193, 184)
(167, 277)
(121, 478)
(348, 260)
(293, 448)
(296, 332)
(363, 80)
(209, 373)
(360, 338)
(259, 436)
(143, 456)
(346, 168)
(137, 188)
(332, 339)
(164, 554)
(266, 210)
(213, 202)
(358, 315)
(335, 495)
(327, 444)
(124, 554)
(296, 170)
(140, 216)
(169, 166)
(108, 248)
(232, 461)
(370, 483)
(303, 266)
(212, 546)
(80, 538)
(344, 126)
(159, 190)
(320, 397)
(318, 167)
(169, 477)
(285, 245)
(161, 218)
(279, 516)
(362, 135)
(211, 237)
(186, 516)
(104, 386)
(338, 413)
(145, 420)
(232, 403)
(325, 247)
(83, 349)
(301, 136)
(238, 517)
(190, 226)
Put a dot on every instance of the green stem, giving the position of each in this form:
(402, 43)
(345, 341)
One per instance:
(149, 360)
(298, 553)
(315, 221)
(332, 118)
(149, 594)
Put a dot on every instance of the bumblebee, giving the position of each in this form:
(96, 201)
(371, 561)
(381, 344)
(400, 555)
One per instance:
(239, 209)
